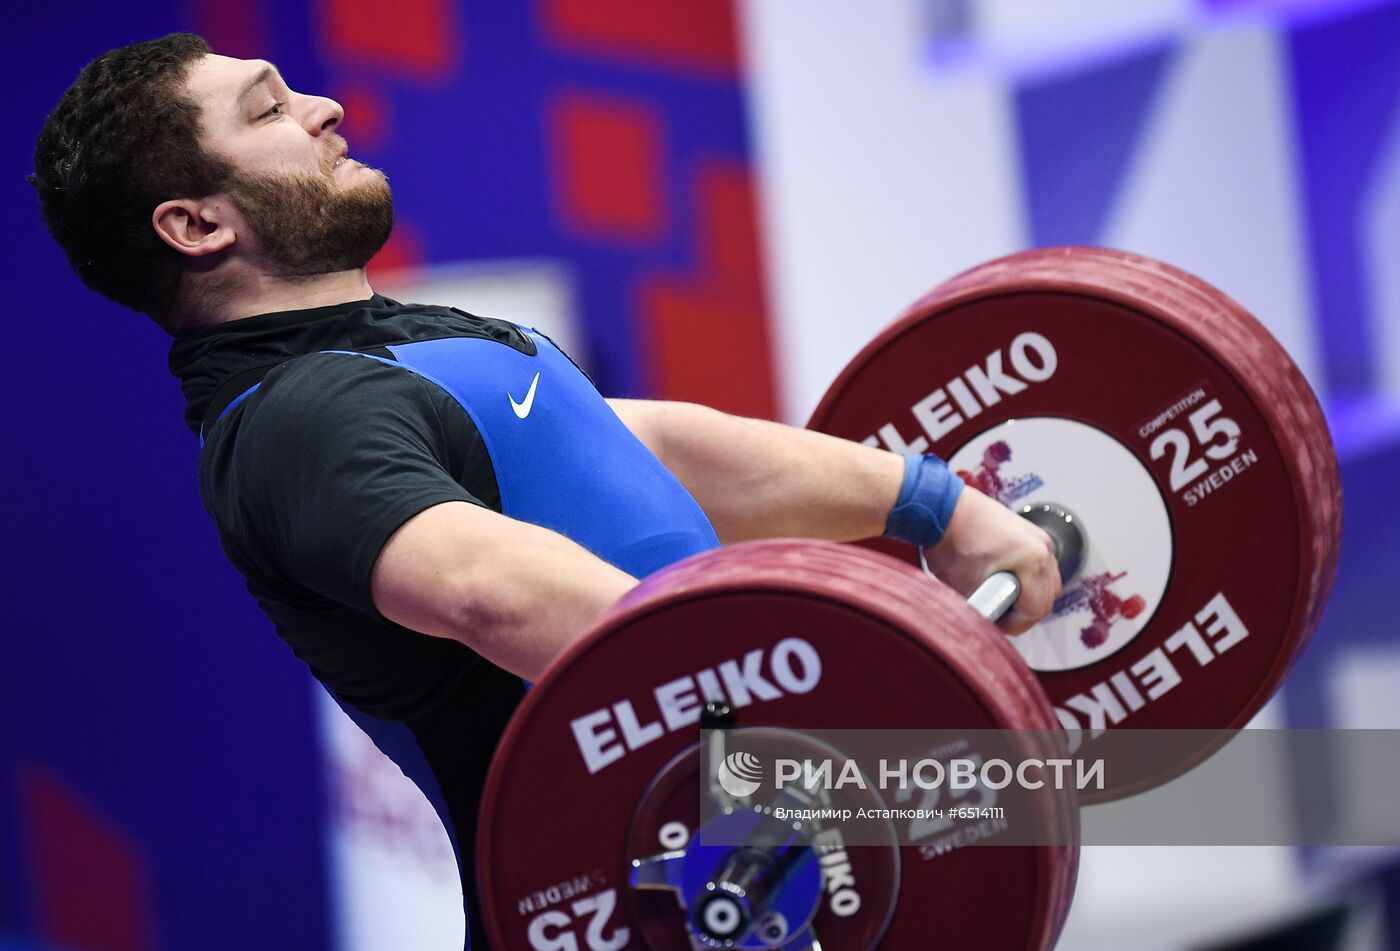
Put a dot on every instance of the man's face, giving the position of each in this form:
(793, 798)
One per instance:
(311, 209)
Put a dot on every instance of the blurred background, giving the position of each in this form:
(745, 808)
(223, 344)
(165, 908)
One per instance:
(701, 199)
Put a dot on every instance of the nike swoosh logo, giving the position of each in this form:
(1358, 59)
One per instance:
(523, 409)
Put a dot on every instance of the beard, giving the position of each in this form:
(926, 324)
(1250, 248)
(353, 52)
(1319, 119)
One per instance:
(305, 225)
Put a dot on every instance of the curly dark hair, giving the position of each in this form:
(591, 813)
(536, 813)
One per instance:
(122, 139)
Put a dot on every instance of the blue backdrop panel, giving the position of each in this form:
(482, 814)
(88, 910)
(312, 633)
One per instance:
(136, 669)
(1346, 80)
(1078, 134)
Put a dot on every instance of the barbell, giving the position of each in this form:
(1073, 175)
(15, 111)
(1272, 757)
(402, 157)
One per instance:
(1181, 463)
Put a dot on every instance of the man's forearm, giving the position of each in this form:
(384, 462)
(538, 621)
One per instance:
(757, 479)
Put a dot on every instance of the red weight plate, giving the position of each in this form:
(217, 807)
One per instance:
(593, 771)
(1189, 445)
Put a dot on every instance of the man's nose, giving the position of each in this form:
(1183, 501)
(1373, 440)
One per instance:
(322, 115)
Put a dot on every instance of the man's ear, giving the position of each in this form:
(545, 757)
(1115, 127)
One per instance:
(192, 226)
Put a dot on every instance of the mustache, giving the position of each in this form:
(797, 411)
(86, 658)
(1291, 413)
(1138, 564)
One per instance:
(337, 147)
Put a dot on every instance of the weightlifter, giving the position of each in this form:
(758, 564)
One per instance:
(429, 505)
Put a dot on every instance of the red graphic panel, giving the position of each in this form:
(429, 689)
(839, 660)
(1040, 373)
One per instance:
(418, 38)
(367, 116)
(708, 332)
(728, 221)
(90, 880)
(686, 33)
(404, 249)
(232, 29)
(608, 167)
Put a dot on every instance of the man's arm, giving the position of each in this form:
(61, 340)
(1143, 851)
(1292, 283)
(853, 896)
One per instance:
(515, 593)
(758, 479)
(367, 485)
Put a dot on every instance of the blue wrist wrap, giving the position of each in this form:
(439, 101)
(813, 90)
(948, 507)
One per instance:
(926, 500)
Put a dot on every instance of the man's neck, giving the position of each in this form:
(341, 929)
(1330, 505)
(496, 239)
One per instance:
(265, 294)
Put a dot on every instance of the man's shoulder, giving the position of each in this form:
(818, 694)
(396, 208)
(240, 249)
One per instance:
(331, 375)
(334, 390)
